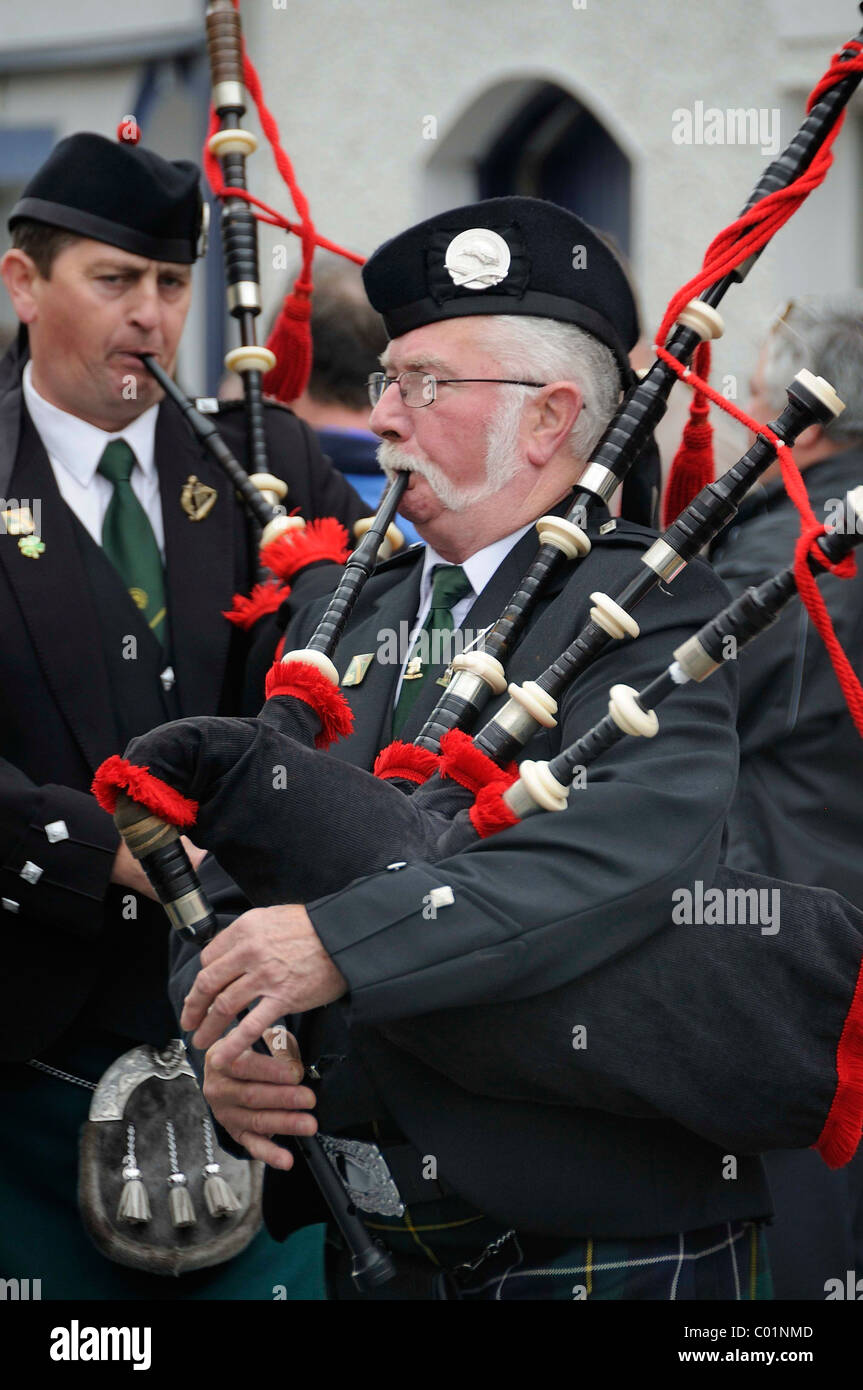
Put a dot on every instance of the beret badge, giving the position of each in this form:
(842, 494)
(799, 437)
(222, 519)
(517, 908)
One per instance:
(477, 259)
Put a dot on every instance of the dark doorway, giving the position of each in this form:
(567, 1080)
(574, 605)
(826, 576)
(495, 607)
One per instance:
(553, 147)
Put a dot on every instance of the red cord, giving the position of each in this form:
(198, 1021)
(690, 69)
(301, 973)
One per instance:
(735, 244)
(306, 229)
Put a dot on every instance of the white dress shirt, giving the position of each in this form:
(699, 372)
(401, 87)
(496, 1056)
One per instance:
(74, 449)
(479, 569)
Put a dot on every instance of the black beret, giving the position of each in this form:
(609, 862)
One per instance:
(118, 193)
(504, 256)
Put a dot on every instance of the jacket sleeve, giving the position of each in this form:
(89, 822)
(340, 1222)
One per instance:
(57, 851)
(786, 679)
(560, 893)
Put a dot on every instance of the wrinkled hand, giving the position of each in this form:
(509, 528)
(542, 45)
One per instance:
(255, 1097)
(272, 954)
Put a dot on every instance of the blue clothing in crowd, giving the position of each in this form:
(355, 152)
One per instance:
(354, 453)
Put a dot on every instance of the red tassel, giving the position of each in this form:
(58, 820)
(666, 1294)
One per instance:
(465, 764)
(838, 1140)
(323, 539)
(305, 682)
(693, 467)
(117, 774)
(406, 761)
(246, 609)
(490, 813)
(291, 341)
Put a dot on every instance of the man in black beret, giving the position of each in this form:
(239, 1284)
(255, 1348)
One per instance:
(510, 323)
(112, 590)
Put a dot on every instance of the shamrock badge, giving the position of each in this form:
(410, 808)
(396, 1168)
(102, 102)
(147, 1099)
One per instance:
(31, 546)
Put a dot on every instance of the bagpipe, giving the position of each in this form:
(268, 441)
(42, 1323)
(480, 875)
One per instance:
(285, 542)
(787, 1075)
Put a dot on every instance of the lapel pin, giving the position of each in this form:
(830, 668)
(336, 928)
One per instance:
(197, 499)
(357, 669)
(31, 546)
(18, 521)
(414, 669)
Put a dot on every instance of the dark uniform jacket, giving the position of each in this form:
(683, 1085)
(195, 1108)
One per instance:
(74, 689)
(798, 814)
(535, 906)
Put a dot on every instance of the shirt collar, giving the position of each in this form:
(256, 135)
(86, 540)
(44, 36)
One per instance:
(76, 445)
(479, 567)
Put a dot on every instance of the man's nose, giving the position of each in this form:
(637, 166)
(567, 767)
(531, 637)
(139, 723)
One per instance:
(390, 418)
(145, 308)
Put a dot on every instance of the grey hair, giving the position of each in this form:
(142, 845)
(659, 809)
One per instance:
(545, 350)
(824, 334)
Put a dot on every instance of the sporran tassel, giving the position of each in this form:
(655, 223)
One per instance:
(134, 1205)
(180, 1202)
(220, 1199)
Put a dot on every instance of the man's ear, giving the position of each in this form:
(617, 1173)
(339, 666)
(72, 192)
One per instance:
(808, 438)
(19, 276)
(550, 417)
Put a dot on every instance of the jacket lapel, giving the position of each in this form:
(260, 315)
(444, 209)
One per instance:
(372, 700)
(69, 652)
(199, 565)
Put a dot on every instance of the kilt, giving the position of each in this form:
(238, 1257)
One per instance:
(442, 1252)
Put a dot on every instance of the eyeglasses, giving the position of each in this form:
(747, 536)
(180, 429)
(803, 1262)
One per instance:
(420, 388)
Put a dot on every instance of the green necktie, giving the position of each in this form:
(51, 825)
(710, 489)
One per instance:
(449, 585)
(128, 539)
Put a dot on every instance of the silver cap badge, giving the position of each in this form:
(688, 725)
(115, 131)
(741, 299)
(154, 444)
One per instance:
(477, 259)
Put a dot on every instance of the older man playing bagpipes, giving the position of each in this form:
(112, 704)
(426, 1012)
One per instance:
(528, 1082)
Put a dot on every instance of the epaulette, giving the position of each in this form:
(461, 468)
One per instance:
(213, 405)
(617, 530)
(401, 557)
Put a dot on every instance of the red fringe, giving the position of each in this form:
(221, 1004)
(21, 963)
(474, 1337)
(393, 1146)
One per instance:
(117, 774)
(406, 761)
(245, 609)
(693, 466)
(465, 764)
(489, 812)
(305, 682)
(838, 1140)
(323, 539)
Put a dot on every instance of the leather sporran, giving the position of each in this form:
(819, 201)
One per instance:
(156, 1191)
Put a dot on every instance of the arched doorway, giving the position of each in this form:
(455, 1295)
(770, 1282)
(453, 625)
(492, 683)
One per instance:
(535, 138)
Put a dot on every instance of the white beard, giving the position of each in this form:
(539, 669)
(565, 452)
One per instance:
(503, 460)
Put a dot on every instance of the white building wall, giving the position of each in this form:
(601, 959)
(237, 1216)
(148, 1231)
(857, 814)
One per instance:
(352, 87)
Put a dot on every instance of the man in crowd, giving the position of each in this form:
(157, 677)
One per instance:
(348, 337)
(122, 545)
(798, 811)
(505, 364)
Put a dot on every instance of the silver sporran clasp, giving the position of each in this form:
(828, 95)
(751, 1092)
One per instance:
(365, 1174)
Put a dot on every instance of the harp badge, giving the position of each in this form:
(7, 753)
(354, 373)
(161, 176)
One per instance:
(197, 499)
